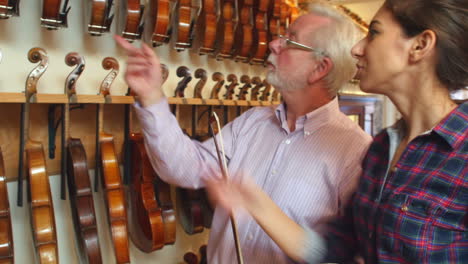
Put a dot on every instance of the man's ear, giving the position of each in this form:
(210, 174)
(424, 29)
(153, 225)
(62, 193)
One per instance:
(322, 69)
(423, 45)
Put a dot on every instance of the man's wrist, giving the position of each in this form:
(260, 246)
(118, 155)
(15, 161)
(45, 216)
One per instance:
(146, 101)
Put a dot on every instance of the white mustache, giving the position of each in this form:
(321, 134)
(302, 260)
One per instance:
(272, 59)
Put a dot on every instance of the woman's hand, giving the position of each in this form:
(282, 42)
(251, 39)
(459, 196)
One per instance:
(143, 73)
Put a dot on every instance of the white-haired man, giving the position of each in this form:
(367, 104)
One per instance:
(303, 152)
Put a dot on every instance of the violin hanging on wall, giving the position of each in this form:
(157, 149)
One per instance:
(157, 30)
(39, 195)
(9, 8)
(6, 233)
(130, 24)
(99, 16)
(207, 26)
(52, 16)
(79, 184)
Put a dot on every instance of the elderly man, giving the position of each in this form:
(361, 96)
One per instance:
(303, 153)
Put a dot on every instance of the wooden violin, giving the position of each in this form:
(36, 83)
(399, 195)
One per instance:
(200, 74)
(146, 221)
(226, 26)
(285, 13)
(244, 90)
(207, 27)
(219, 79)
(157, 23)
(185, 21)
(260, 34)
(6, 233)
(266, 92)
(114, 195)
(130, 20)
(40, 198)
(256, 89)
(9, 8)
(274, 19)
(79, 184)
(100, 17)
(275, 96)
(52, 16)
(232, 78)
(185, 74)
(244, 31)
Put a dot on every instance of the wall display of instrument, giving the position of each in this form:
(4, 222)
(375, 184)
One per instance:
(99, 16)
(226, 25)
(266, 92)
(9, 8)
(187, 13)
(6, 233)
(274, 19)
(157, 30)
(54, 14)
(39, 195)
(255, 91)
(206, 28)
(114, 195)
(79, 184)
(130, 20)
(244, 31)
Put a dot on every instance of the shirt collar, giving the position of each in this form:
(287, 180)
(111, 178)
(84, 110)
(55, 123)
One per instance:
(311, 121)
(454, 127)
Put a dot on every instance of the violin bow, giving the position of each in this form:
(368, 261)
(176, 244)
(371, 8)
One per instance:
(223, 166)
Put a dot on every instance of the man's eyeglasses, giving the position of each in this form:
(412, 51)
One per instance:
(287, 43)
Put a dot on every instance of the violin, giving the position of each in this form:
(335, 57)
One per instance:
(147, 223)
(199, 74)
(244, 31)
(275, 96)
(266, 92)
(244, 90)
(130, 20)
(114, 195)
(52, 17)
(219, 79)
(100, 18)
(256, 90)
(274, 18)
(260, 34)
(6, 233)
(185, 23)
(231, 87)
(157, 23)
(9, 8)
(226, 26)
(285, 13)
(184, 73)
(79, 184)
(39, 195)
(207, 27)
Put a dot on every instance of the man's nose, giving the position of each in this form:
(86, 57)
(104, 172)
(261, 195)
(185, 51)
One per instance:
(275, 46)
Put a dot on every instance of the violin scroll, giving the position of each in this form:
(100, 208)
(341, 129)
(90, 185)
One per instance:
(112, 64)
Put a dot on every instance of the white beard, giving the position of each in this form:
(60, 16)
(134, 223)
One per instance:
(294, 80)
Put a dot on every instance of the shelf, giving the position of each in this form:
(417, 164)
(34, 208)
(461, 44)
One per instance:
(116, 99)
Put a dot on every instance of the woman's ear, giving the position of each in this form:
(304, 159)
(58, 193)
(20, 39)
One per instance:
(423, 45)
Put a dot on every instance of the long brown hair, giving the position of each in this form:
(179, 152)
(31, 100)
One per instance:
(448, 19)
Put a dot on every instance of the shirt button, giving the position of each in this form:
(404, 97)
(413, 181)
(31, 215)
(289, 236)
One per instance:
(404, 208)
(250, 237)
(287, 141)
(273, 172)
(307, 133)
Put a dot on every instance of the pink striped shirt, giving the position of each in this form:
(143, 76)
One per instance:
(309, 172)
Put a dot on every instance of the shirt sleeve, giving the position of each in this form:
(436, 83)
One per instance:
(177, 158)
(314, 249)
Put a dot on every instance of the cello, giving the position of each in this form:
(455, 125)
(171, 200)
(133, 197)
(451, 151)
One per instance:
(9, 8)
(79, 184)
(52, 17)
(100, 18)
(39, 195)
(114, 195)
(6, 233)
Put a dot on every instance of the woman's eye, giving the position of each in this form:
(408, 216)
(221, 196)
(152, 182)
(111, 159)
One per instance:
(372, 32)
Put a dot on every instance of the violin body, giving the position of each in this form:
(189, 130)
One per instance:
(81, 204)
(207, 27)
(184, 25)
(158, 22)
(6, 233)
(131, 13)
(9, 8)
(226, 26)
(114, 197)
(146, 221)
(100, 19)
(52, 18)
(190, 210)
(41, 205)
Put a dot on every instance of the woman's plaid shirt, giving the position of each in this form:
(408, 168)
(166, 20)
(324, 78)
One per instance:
(417, 212)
